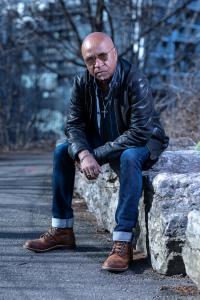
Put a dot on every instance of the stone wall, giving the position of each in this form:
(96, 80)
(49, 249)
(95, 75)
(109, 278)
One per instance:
(191, 250)
(100, 195)
(171, 191)
(175, 195)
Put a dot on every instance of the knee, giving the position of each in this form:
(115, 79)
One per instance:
(129, 156)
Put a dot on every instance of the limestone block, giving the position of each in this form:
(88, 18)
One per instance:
(101, 195)
(191, 250)
(171, 191)
(175, 195)
(180, 161)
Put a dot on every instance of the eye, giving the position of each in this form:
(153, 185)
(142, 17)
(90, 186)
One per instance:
(103, 56)
(90, 60)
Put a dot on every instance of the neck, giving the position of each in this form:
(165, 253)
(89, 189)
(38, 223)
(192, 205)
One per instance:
(104, 85)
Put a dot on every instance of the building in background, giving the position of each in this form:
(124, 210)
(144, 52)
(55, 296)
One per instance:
(40, 53)
(177, 52)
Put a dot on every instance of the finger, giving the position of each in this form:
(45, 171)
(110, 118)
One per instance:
(91, 174)
(96, 172)
(89, 177)
(88, 173)
(99, 169)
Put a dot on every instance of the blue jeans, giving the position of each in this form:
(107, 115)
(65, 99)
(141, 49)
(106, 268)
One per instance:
(129, 168)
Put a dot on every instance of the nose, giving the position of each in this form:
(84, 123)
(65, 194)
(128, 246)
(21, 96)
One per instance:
(98, 63)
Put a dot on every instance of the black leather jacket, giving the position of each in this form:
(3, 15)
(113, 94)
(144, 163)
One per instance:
(138, 123)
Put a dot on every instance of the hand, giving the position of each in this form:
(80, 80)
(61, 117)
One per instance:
(89, 165)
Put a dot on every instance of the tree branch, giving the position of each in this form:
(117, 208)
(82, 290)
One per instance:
(157, 24)
(69, 19)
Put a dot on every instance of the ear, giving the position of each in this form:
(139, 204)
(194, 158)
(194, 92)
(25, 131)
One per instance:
(115, 53)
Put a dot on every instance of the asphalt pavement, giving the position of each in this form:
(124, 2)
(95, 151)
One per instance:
(25, 201)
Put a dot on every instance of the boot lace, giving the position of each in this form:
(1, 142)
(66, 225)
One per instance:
(120, 248)
(49, 234)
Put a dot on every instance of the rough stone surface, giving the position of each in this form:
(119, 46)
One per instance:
(174, 196)
(100, 195)
(191, 250)
(184, 142)
(180, 161)
(171, 191)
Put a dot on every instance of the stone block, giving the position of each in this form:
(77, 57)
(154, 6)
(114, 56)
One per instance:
(175, 195)
(171, 191)
(101, 196)
(191, 250)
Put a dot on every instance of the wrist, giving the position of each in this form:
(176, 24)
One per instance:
(82, 153)
(84, 156)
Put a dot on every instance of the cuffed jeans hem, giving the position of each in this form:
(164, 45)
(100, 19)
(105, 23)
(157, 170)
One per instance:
(122, 236)
(62, 223)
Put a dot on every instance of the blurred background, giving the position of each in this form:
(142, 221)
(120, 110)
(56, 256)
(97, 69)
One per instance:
(40, 53)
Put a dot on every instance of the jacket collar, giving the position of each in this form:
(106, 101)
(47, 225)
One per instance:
(115, 82)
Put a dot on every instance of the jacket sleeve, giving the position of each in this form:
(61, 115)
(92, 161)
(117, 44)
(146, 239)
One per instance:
(75, 124)
(141, 112)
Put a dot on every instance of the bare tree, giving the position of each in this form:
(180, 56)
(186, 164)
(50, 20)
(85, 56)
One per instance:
(52, 37)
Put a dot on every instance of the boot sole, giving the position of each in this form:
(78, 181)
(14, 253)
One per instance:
(72, 247)
(115, 269)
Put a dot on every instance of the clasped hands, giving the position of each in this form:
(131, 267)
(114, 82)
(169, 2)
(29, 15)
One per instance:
(88, 165)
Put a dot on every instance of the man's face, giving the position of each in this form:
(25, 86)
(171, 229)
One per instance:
(100, 58)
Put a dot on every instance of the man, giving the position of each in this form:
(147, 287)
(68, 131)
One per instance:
(111, 120)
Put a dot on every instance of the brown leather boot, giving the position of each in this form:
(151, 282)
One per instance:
(119, 258)
(54, 238)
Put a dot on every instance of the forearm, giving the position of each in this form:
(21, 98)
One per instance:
(133, 137)
(113, 150)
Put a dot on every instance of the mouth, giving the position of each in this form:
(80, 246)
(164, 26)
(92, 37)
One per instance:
(99, 73)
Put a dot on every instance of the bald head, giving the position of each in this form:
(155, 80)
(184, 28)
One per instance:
(96, 38)
(100, 55)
